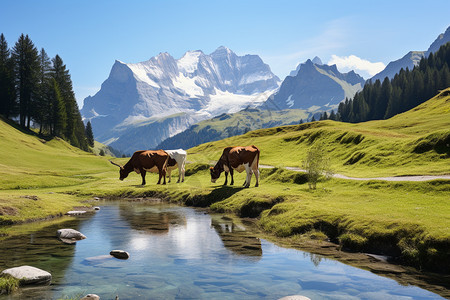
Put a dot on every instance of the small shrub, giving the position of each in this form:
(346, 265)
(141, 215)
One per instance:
(317, 165)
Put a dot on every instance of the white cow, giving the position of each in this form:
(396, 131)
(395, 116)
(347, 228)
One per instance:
(177, 158)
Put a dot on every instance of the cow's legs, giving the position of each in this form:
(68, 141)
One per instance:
(179, 174)
(256, 172)
(162, 173)
(169, 174)
(232, 178)
(183, 170)
(226, 178)
(142, 171)
(249, 172)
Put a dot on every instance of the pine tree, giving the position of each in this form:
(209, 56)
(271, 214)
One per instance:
(332, 116)
(74, 131)
(40, 115)
(8, 103)
(26, 66)
(57, 116)
(89, 134)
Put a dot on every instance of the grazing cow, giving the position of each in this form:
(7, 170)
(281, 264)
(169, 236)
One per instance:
(177, 158)
(239, 159)
(143, 161)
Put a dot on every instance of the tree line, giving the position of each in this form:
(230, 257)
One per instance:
(37, 92)
(382, 100)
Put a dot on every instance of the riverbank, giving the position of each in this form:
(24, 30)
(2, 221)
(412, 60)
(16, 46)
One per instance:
(405, 222)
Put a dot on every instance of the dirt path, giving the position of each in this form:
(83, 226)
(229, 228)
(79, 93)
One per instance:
(392, 178)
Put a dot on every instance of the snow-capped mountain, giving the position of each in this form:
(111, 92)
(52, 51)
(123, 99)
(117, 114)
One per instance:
(412, 58)
(198, 85)
(315, 87)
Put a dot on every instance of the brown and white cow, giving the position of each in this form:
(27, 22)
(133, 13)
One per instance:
(239, 159)
(145, 161)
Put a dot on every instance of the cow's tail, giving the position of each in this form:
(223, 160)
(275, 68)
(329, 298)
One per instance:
(166, 162)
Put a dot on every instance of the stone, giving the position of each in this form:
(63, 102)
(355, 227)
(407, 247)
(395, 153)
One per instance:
(295, 297)
(75, 212)
(90, 297)
(120, 254)
(70, 234)
(96, 208)
(29, 275)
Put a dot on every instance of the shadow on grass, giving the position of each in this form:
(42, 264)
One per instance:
(217, 194)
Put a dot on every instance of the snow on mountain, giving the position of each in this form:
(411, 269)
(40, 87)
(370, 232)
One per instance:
(201, 85)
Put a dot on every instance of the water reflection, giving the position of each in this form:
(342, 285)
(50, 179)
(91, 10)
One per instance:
(182, 253)
(151, 219)
(236, 238)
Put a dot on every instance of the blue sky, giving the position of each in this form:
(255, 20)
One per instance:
(91, 35)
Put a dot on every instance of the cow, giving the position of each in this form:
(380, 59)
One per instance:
(177, 159)
(239, 159)
(143, 161)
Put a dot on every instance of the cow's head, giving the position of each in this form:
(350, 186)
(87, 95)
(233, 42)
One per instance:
(122, 173)
(215, 173)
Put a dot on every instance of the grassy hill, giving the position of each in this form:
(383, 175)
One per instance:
(416, 142)
(408, 220)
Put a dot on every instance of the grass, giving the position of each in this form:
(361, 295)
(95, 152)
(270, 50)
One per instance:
(8, 284)
(407, 219)
(413, 143)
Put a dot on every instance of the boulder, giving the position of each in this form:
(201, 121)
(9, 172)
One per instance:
(70, 234)
(29, 275)
(120, 254)
(96, 208)
(90, 297)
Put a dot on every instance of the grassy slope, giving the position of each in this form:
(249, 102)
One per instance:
(377, 148)
(28, 163)
(410, 219)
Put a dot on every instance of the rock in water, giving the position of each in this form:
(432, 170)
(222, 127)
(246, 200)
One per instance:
(29, 275)
(120, 254)
(70, 234)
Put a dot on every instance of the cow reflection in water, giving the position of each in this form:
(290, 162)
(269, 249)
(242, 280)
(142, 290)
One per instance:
(236, 239)
(143, 218)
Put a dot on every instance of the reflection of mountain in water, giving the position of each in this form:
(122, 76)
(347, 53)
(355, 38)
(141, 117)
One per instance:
(149, 219)
(236, 239)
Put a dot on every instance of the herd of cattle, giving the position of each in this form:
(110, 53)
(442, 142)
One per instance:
(164, 161)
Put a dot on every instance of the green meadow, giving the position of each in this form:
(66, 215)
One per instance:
(410, 220)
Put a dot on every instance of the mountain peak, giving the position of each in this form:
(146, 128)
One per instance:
(317, 61)
(222, 50)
